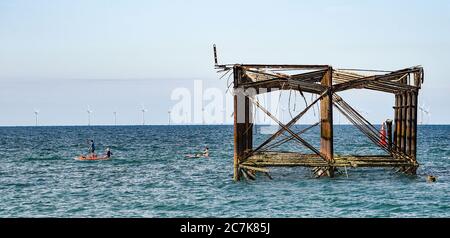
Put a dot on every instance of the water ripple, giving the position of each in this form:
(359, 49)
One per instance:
(149, 176)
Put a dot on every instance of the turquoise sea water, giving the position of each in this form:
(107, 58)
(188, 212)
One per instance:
(149, 176)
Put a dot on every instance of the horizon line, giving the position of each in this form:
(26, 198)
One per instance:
(225, 124)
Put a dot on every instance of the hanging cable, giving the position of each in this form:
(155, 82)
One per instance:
(289, 104)
(365, 127)
(229, 84)
(295, 100)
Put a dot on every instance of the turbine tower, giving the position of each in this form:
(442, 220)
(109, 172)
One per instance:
(143, 110)
(89, 111)
(169, 116)
(115, 118)
(203, 116)
(36, 115)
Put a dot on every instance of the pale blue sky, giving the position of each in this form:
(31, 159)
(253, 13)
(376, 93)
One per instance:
(60, 56)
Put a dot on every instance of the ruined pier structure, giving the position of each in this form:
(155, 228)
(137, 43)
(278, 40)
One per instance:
(326, 82)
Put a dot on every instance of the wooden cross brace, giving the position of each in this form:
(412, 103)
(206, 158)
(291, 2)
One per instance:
(286, 127)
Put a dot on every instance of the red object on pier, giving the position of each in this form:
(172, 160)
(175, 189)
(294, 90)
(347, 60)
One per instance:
(383, 140)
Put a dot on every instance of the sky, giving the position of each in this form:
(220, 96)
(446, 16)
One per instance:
(61, 56)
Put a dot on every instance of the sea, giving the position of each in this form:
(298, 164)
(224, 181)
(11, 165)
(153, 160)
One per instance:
(149, 175)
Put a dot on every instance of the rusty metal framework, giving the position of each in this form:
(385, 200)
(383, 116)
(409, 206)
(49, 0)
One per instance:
(326, 82)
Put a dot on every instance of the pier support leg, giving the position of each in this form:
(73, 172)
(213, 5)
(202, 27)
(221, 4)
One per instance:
(413, 151)
(408, 123)
(414, 124)
(389, 133)
(398, 122)
(248, 132)
(418, 79)
(243, 124)
(406, 105)
(238, 124)
(403, 124)
(236, 176)
(326, 122)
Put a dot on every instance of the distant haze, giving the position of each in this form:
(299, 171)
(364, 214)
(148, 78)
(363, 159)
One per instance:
(61, 56)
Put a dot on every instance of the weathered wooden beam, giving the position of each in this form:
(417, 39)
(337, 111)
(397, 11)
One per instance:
(361, 83)
(398, 122)
(380, 89)
(413, 149)
(345, 76)
(258, 169)
(239, 124)
(285, 66)
(353, 70)
(418, 78)
(414, 107)
(389, 133)
(248, 133)
(326, 119)
(292, 159)
(248, 175)
(279, 84)
(394, 86)
(403, 124)
(236, 175)
(313, 77)
(283, 82)
(383, 86)
(370, 79)
(408, 123)
(305, 86)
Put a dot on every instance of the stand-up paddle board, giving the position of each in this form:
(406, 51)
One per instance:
(92, 157)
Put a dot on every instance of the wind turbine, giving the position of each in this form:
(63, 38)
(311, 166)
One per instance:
(89, 111)
(36, 115)
(339, 118)
(283, 109)
(203, 116)
(264, 118)
(143, 110)
(223, 116)
(169, 116)
(115, 118)
(424, 109)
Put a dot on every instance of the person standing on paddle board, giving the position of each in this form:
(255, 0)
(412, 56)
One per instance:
(91, 147)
